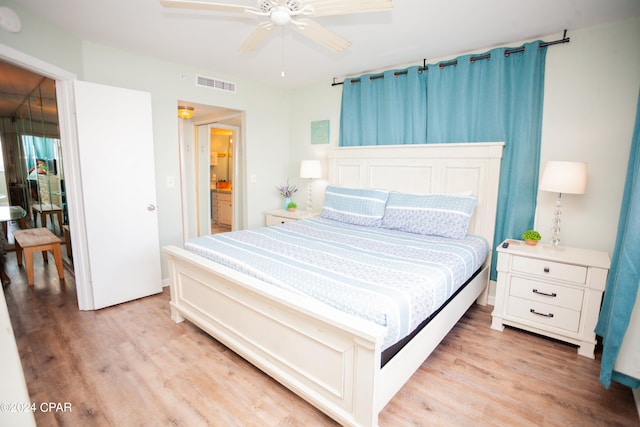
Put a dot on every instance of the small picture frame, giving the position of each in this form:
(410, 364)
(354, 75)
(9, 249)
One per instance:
(320, 132)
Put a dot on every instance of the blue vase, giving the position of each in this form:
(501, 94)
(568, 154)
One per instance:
(287, 200)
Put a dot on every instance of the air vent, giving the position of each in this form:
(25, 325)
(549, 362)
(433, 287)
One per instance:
(218, 84)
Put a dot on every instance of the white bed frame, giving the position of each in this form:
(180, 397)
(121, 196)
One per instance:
(327, 357)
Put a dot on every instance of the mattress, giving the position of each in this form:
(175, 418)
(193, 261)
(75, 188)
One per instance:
(392, 278)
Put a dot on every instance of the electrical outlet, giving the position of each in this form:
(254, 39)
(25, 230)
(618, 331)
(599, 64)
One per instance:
(171, 182)
(253, 178)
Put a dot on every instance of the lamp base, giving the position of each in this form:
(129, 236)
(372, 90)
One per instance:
(309, 198)
(555, 236)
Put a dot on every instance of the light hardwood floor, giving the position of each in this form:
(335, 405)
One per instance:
(130, 365)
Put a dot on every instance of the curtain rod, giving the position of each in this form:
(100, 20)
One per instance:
(473, 59)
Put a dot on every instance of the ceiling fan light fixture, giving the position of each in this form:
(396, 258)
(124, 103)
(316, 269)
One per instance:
(285, 12)
(281, 15)
(185, 112)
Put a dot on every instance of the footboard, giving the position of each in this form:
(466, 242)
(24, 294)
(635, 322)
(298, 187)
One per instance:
(327, 357)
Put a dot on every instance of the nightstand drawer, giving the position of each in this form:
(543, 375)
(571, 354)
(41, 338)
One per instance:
(547, 314)
(280, 216)
(547, 293)
(550, 269)
(277, 220)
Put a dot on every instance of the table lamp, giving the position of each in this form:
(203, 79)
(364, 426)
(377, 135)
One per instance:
(563, 177)
(310, 169)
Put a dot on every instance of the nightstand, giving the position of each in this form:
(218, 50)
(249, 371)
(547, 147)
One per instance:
(281, 216)
(555, 292)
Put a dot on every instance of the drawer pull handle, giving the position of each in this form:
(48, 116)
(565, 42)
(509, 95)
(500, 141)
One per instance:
(546, 269)
(553, 294)
(541, 314)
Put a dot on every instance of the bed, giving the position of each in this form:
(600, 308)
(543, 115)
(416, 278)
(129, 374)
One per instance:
(340, 361)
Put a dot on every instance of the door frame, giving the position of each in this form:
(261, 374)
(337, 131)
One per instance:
(203, 179)
(187, 135)
(69, 144)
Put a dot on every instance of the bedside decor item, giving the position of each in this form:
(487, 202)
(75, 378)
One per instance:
(531, 237)
(310, 169)
(291, 207)
(287, 191)
(563, 177)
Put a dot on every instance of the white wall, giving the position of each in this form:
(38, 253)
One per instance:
(591, 93)
(266, 126)
(324, 105)
(43, 40)
(591, 90)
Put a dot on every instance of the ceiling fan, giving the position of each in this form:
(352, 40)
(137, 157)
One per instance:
(294, 12)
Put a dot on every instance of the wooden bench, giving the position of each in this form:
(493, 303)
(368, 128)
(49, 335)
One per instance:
(37, 240)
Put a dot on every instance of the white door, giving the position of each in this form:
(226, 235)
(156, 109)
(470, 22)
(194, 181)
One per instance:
(117, 180)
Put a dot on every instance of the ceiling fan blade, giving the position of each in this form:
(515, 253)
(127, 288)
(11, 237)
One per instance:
(204, 5)
(344, 7)
(320, 35)
(257, 37)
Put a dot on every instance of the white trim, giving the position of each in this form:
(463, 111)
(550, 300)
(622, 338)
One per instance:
(36, 65)
(73, 187)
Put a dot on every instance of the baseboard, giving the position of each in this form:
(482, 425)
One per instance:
(491, 299)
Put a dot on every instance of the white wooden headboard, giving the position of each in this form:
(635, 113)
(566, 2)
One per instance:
(424, 169)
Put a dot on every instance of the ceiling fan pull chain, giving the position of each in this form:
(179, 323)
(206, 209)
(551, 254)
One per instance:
(282, 73)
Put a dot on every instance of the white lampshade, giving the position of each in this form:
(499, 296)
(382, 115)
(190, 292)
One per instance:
(310, 169)
(564, 177)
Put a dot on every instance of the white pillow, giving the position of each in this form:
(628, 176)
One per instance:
(445, 215)
(357, 206)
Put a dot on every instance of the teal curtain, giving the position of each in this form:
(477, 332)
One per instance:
(384, 109)
(498, 98)
(36, 147)
(624, 276)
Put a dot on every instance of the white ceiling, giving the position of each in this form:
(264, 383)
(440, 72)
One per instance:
(413, 30)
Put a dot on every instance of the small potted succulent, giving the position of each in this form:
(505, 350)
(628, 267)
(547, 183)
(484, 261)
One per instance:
(531, 237)
(292, 206)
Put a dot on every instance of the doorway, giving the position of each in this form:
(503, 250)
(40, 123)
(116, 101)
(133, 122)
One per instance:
(212, 177)
(33, 168)
(221, 166)
(76, 118)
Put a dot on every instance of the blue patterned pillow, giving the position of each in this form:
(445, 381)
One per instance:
(432, 214)
(354, 205)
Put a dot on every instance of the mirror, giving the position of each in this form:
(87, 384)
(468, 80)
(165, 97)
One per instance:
(33, 167)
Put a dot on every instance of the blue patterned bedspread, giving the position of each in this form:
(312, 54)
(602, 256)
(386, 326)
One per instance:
(392, 278)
